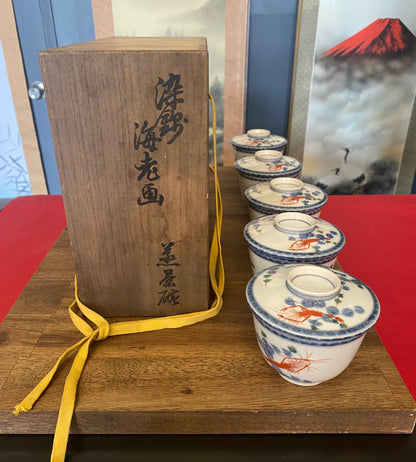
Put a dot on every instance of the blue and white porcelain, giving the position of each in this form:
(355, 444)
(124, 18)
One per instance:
(256, 140)
(284, 195)
(292, 237)
(310, 320)
(264, 166)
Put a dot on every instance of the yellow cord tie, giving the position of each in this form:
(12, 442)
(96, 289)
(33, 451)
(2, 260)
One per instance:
(104, 329)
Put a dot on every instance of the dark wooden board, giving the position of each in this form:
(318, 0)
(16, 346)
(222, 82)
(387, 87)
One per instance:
(202, 379)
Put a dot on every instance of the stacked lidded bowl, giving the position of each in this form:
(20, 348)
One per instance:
(256, 140)
(264, 166)
(310, 320)
(292, 237)
(284, 195)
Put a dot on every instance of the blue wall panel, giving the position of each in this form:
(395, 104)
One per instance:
(48, 24)
(270, 62)
(73, 21)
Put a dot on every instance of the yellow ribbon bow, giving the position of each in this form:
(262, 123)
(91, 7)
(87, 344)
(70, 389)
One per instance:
(104, 329)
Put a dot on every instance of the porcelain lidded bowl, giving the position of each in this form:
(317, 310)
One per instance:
(292, 237)
(284, 195)
(256, 140)
(264, 166)
(310, 320)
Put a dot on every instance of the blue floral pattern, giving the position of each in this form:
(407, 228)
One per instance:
(321, 243)
(318, 236)
(316, 313)
(287, 361)
(262, 198)
(269, 142)
(269, 349)
(304, 197)
(278, 306)
(283, 166)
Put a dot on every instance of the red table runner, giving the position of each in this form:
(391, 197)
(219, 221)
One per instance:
(380, 233)
(29, 226)
(380, 250)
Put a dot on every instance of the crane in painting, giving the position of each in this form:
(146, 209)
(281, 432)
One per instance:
(346, 173)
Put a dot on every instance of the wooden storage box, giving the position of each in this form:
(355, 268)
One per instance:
(129, 119)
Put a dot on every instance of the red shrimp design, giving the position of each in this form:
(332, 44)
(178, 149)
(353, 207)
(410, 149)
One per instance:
(299, 314)
(304, 244)
(294, 364)
(292, 199)
(276, 167)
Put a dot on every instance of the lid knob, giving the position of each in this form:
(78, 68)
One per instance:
(294, 222)
(286, 185)
(258, 133)
(313, 282)
(268, 155)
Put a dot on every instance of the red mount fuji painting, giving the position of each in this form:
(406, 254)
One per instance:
(383, 37)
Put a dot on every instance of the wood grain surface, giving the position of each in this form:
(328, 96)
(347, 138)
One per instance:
(129, 119)
(201, 379)
(237, 13)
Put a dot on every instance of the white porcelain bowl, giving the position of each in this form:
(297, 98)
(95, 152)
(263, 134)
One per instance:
(310, 320)
(284, 195)
(254, 140)
(265, 166)
(292, 237)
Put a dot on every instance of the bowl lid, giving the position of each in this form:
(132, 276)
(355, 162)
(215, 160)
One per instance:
(268, 163)
(312, 301)
(258, 139)
(294, 235)
(286, 195)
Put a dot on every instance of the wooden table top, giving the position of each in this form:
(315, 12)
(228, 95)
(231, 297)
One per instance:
(201, 379)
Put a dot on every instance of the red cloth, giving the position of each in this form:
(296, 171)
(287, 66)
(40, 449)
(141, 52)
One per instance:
(29, 226)
(380, 250)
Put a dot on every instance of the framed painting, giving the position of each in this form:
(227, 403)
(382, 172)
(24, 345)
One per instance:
(223, 22)
(352, 113)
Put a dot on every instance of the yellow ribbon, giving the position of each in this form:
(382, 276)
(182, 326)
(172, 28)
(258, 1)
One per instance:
(104, 329)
